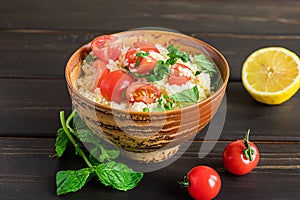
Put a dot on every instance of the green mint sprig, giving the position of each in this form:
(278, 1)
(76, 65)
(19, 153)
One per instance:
(100, 161)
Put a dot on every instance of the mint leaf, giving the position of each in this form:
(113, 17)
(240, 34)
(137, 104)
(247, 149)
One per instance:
(188, 95)
(204, 64)
(61, 142)
(78, 123)
(98, 154)
(71, 180)
(87, 136)
(118, 175)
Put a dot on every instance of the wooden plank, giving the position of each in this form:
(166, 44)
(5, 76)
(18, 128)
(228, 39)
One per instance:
(26, 172)
(52, 49)
(35, 109)
(200, 16)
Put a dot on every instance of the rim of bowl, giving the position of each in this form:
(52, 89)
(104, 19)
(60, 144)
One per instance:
(225, 80)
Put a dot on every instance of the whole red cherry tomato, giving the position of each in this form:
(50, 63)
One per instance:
(202, 183)
(241, 156)
(113, 85)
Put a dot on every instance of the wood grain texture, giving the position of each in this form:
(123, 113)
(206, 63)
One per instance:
(277, 171)
(52, 49)
(38, 37)
(201, 16)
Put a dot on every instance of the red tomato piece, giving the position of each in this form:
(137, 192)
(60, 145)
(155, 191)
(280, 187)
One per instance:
(146, 65)
(138, 64)
(142, 92)
(202, 183)
(106, 47)
(131, 57)
(176, 75)
(145, 46)
(114, 85)
(241, 156)
(101, 72)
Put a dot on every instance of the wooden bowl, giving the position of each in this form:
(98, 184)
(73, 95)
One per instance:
(143, 136)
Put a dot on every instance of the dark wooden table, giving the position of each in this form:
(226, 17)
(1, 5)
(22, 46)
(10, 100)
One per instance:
(37, 38)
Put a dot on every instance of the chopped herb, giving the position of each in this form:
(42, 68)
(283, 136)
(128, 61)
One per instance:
(146, 109)
(89, 58)
(140, 55)
(175, 54)
(158, 72)
(164, 103)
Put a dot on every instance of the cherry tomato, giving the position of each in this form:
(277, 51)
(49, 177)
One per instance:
(176, 74)
(202, 183)
(146, 65)
(142, 92)
(106, 47)
(241, 156)
(131, 57)
(101, 72)
(113, 85)
(138, 64)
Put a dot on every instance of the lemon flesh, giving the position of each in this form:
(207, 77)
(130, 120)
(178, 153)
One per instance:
(271, 75)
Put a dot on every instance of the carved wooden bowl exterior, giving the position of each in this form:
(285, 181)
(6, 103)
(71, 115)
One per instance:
(143, 136)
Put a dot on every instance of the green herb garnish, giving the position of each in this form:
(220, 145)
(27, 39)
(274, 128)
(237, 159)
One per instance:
(188, 95)
(158, 72)
(140, 55)
(100, 161)
(204, 65)
(175, 54)
(89, 58)
(207, 66)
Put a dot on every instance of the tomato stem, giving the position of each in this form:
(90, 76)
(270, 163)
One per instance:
(185, 183)
(248, 151)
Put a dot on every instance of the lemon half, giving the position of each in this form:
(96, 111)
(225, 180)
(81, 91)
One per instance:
(271, 75)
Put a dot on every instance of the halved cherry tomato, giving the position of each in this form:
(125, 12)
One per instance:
(142, 92)
(101, 72)
(241, 156)
(106, 47)
(131, 57)
(202, 183)
(114, 84)
(176, 75)
(138, 64)
(145, 46)
(146, 65)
